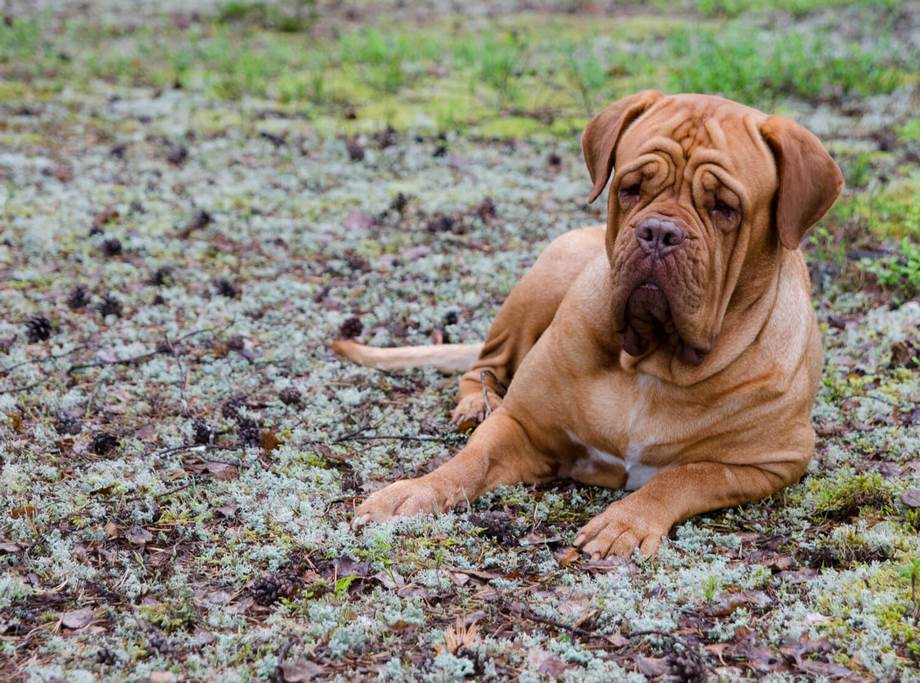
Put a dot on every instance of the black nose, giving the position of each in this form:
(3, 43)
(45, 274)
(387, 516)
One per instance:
(659, 236)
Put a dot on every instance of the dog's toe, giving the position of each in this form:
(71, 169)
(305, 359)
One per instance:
(619, 531)
(472, 410)
(401, 498)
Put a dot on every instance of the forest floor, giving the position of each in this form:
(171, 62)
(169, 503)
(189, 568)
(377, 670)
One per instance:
(195, 202)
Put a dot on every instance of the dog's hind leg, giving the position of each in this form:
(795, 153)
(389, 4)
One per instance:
(522, 318)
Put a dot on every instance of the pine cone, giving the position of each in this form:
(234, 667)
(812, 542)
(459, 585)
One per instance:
(231, 407)
(103, 443)
(249, 432)
(162, 276)
(203, 433)
(79, 298)
(110, 306)
(269, 588)
(38, 328)
(201, 219)
(496, 525)
(112, 247)
(68, 424)
(105, 656)
(290, 396)
(686, 667)
(226, 288)
(351, 328)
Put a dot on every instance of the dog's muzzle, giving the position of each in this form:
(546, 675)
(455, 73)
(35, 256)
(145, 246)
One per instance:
(659, 236)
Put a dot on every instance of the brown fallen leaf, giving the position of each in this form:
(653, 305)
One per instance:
(203, 637)
(23, 511)
(220, 471)
(652, 666)
(553, 667)
(534, 538)
(911, 498)
(138, 535)
(269, 441)
(830, 670)
(459, 637)
(162, 677)
(567, 556)
(726, 603)
(391, 579)
(301, 670)
(10, 547)
(227, 511)
(78, 618)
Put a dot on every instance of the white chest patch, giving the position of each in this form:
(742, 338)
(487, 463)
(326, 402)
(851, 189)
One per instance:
(637, 472)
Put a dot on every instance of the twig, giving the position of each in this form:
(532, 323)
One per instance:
(169, 492)
(530, 615)
(447, 438)
(50, 356)
(141, 357)
(26, 387)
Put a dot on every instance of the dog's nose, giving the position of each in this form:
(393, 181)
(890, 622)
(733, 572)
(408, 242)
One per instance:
(659, 236)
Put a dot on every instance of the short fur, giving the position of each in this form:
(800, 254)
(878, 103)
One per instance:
(681, 361)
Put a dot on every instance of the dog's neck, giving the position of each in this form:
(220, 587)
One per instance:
(752, 306)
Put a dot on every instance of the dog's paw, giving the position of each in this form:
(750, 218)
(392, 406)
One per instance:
(471, 410)
(619, 530)
(401, 498)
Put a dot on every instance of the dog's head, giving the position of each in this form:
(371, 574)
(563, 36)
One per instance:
(705, 194)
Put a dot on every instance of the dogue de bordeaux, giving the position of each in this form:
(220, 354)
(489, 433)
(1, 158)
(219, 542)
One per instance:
(673, 353)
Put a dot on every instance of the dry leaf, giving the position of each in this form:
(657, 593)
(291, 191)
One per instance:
(534, 538)
(911, 498)
(227, 511)
(567, 556)
(459, 637)
(203, 637)
(269, 441)
(162, 677)
(652, 666)
(10, 547)
(301, 670)
(78, 618)
(24, 511)
(138, 535)
(727, 603)
(390, 579)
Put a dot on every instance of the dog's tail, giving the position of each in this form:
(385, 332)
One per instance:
(443, 357)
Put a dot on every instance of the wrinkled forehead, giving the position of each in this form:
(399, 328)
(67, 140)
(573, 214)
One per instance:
(695, 130)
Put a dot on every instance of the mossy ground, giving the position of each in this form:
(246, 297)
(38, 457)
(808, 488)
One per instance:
(234, 183)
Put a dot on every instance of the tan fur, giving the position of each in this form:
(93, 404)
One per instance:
(443, 357)
(712, 407)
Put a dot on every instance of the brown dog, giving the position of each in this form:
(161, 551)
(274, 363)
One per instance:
(674, 353)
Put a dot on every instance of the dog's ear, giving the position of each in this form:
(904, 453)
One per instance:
(809, 180)
(600, 139)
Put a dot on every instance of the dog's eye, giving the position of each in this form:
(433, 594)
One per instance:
(722, 210)
(629, 193)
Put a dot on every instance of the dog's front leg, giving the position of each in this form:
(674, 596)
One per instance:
(642, 518)
(499, 452)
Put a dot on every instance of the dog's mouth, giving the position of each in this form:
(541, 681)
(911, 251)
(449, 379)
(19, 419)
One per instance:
(647, 323)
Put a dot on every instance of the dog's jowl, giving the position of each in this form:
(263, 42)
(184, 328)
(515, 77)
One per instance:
(672, 352)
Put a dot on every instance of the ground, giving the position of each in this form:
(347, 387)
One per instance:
(195, 201)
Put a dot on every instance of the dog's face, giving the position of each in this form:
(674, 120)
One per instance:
(705, 193)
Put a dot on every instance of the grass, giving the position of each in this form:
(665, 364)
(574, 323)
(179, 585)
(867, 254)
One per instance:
(561, 69)
(210, 536)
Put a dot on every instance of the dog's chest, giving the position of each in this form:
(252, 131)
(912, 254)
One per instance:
(617, 438)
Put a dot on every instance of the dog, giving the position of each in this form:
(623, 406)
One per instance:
(673, 352)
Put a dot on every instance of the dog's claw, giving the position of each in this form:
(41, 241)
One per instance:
(402, 498)
(619, 531)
